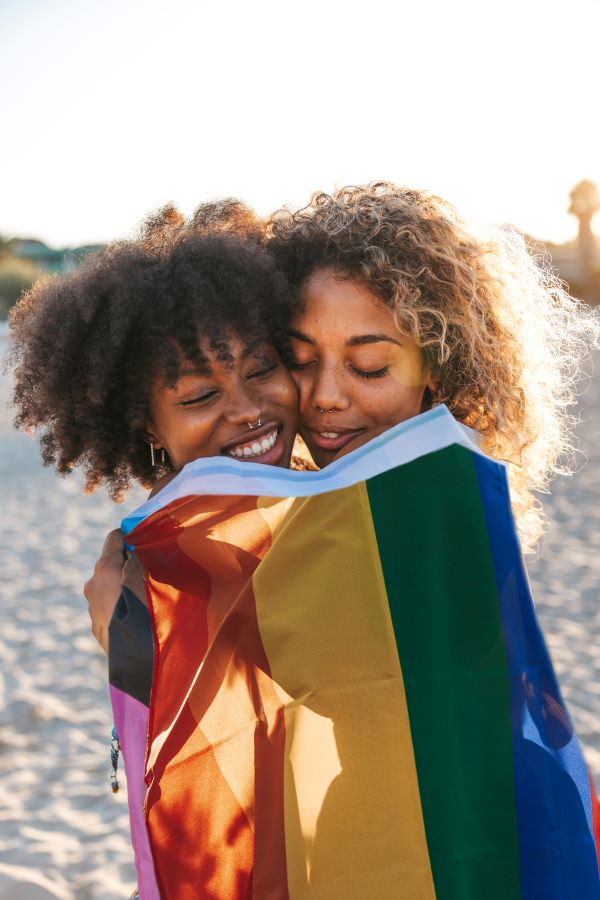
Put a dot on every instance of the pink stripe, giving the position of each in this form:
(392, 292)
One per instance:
(131, 720)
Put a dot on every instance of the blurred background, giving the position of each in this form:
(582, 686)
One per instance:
(111, 110)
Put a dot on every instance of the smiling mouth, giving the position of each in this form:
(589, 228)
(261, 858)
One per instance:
(332, 438)
(255, 447)
(266, 447)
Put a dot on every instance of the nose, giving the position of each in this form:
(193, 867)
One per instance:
(245, 406)
(327, 390)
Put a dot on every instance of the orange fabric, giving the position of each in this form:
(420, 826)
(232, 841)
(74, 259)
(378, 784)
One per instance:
(198, 618)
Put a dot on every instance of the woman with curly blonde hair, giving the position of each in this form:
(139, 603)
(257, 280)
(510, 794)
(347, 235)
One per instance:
(397, 307)
(481, 326)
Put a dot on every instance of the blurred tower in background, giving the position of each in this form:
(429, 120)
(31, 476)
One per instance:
(585, 203)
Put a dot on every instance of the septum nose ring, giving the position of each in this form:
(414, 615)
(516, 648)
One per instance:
(323, 411)
(255, 425)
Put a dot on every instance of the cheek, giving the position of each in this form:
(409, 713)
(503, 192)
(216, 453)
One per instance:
(409, 368)
(389, 404)
(284, 392)
(408, 402)
(191, 436)
(303, 382)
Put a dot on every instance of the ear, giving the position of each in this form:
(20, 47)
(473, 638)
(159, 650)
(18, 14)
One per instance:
(430, 372)
(429, 392)
(150, 437)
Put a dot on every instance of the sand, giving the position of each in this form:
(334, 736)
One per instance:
(566, 577)
(62, 833)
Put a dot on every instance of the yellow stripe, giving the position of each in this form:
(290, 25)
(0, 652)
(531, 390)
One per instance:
(353, 818)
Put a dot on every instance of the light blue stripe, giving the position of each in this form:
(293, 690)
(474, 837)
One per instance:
(406, 441)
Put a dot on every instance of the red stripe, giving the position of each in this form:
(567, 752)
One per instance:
(202, 836)
(595, 818)
(201, 839)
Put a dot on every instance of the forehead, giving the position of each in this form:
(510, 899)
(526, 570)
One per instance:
(331, 301)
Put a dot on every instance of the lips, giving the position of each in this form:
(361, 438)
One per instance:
(332, 437)
(265, 445)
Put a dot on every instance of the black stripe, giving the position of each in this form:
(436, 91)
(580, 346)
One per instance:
(131, 649)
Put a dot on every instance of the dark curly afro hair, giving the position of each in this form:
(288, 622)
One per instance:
(87, 347)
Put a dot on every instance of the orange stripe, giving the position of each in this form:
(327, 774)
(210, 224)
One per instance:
(202, 842)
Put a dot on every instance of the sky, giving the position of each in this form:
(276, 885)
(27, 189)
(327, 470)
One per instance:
(111, 109)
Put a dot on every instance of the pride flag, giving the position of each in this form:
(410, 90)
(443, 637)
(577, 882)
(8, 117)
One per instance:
(351, 695)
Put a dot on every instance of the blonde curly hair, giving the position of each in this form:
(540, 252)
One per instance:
(503, 339)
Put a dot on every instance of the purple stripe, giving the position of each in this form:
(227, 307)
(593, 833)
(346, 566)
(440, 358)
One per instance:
(552, 789)
(131, 720)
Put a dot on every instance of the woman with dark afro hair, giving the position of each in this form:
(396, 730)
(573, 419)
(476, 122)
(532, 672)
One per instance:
(157, 351)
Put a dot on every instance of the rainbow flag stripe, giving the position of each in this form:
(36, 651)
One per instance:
(351, 694)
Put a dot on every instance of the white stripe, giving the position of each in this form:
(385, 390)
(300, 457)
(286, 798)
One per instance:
(426, 433)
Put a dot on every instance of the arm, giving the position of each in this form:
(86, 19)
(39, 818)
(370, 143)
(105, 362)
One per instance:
(102, 590)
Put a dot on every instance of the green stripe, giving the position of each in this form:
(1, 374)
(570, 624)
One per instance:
(439, 576)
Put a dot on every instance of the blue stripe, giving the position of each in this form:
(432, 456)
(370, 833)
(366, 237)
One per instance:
(552, 792)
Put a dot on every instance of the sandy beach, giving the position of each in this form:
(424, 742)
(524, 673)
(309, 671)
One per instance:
(62, 833)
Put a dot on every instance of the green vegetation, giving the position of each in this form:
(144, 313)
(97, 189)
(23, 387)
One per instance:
(16, 276)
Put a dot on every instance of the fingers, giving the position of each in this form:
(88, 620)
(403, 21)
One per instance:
(114, 545)
(97, 611)
(112, 557)
(101, 635)
(87, 590)
(102, 590)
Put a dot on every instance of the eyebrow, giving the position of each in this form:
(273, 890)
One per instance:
(205, 368)
(199, 369)
(356, 341)
(253, 346)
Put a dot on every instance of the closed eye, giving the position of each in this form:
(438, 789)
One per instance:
(202, 398)
(296, 366)
(375, 373)
(262, 373)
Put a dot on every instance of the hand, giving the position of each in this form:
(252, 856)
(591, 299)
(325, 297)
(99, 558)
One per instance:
(102, 590)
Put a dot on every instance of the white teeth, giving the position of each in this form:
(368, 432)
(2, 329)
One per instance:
(256, 448)
(329, 434)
